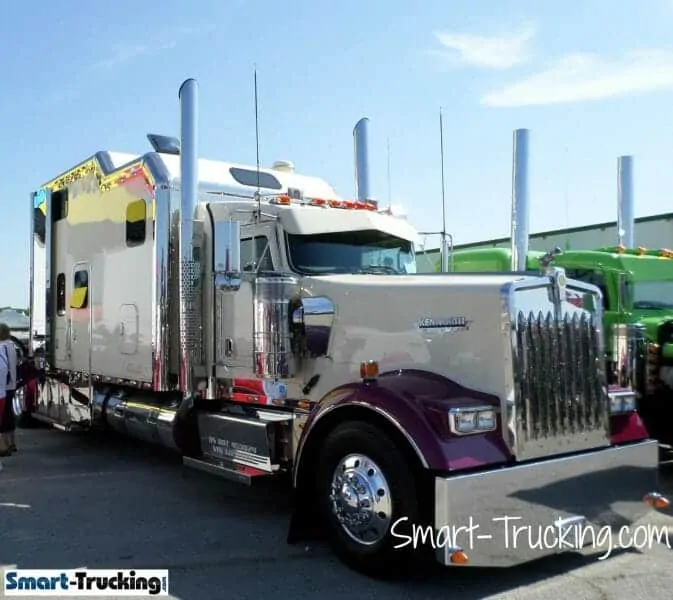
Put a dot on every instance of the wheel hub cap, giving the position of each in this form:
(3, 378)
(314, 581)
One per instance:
(360, 498)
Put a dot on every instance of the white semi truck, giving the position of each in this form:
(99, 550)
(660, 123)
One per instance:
(262, 326)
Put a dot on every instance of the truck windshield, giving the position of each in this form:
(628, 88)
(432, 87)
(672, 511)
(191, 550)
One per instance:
(652, 294)
(350, 252)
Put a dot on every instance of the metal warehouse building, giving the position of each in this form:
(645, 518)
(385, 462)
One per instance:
(655, 231)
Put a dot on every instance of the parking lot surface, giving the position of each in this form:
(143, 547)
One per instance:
(69, 501)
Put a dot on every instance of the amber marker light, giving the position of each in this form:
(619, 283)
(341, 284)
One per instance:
(656, 500)
(369, 370)
(458, 557)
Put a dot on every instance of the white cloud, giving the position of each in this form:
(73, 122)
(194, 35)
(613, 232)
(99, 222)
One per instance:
(493, 52)
(169, 38)
(583, 77)
(125, 52)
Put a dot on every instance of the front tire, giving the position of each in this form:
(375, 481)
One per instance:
(365, 485)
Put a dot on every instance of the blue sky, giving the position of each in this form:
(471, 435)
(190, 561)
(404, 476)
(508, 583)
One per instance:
(589, 79)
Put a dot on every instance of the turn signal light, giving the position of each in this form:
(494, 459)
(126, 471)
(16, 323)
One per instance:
(369, 369)
(458, 558)
(656, 500)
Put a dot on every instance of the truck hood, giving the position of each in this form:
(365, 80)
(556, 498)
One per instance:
(450, 324)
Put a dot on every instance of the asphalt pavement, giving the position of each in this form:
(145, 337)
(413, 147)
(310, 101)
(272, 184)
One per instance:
(68, 501)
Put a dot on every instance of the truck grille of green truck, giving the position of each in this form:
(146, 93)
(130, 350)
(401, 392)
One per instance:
(560, 403)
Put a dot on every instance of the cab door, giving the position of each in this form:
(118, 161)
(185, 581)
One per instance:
(259, 254)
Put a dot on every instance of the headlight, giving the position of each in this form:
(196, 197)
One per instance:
(622, 402)
(463, 421)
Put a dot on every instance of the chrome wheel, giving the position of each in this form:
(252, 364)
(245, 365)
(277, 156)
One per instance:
(361, 500)
(18, 402)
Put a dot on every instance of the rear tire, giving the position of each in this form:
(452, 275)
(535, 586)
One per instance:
(365, 484)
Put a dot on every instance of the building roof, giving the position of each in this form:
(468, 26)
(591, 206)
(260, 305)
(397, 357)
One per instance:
(556, 232)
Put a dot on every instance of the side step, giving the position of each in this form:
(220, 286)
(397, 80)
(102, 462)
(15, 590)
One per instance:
(69, 427)
(233, 472)
(259, 440)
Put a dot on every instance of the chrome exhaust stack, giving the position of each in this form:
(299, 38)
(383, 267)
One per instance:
(188, 271)
(361, 142)
(629, 342)
(625, 206)
(520, 223)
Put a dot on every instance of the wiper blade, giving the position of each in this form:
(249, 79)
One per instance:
(381, 269)
(652, 305)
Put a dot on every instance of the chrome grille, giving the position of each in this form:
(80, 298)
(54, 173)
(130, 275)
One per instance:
(561, 402)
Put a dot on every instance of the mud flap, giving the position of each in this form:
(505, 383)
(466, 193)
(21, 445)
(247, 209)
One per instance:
(305, 524)
(186, 429)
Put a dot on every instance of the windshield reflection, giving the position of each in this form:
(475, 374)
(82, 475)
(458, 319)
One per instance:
(350, 252)
(652, 294)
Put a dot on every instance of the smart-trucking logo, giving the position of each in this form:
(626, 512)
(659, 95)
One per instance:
(86, 582)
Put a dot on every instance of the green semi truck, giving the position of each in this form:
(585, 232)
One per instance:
(637, 286)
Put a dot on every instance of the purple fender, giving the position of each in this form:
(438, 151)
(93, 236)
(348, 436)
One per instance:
(413, 405)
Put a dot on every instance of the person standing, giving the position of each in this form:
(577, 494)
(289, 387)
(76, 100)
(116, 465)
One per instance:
(8, 382)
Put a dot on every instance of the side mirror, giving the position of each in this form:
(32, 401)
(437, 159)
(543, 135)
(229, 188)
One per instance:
(227, 254)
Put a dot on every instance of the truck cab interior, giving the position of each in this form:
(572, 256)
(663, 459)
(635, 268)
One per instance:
(592, 277)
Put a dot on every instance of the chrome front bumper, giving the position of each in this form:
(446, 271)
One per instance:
(477, 516)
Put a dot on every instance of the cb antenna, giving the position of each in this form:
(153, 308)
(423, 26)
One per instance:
(259, 187)
(444, 253)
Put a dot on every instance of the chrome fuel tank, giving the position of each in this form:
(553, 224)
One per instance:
(137, 416)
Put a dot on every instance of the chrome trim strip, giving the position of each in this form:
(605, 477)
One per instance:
(161, 278)
(50, 295)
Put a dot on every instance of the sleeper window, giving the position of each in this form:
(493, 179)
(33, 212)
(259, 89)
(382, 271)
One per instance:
(136, 222)
(80, 289)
